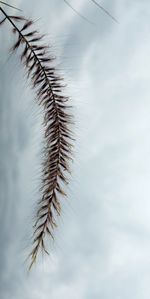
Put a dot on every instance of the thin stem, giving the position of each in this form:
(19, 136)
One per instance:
(79, 14)
(104, 10)
(10, 6)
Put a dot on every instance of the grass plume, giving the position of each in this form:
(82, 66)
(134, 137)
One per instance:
(57, 121)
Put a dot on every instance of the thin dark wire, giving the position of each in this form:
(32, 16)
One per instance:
(104, 10)
(10, 5)
(80, 15)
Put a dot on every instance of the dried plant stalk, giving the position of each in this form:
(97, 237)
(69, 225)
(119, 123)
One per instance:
(57, 122)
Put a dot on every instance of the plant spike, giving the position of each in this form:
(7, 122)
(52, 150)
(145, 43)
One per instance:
(57, 122)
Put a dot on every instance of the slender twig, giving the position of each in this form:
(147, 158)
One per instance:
(57, 148)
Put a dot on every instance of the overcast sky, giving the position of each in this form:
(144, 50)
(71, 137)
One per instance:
(102, 244)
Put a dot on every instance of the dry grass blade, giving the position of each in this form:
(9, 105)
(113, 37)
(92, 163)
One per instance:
(57, 120)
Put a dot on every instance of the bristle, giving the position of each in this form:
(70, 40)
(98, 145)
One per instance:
(26, 25)
(1, 22)
(16, 18)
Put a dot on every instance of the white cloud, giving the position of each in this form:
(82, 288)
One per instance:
(102, 244)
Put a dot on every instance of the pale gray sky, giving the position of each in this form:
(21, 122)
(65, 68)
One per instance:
(102, 246)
